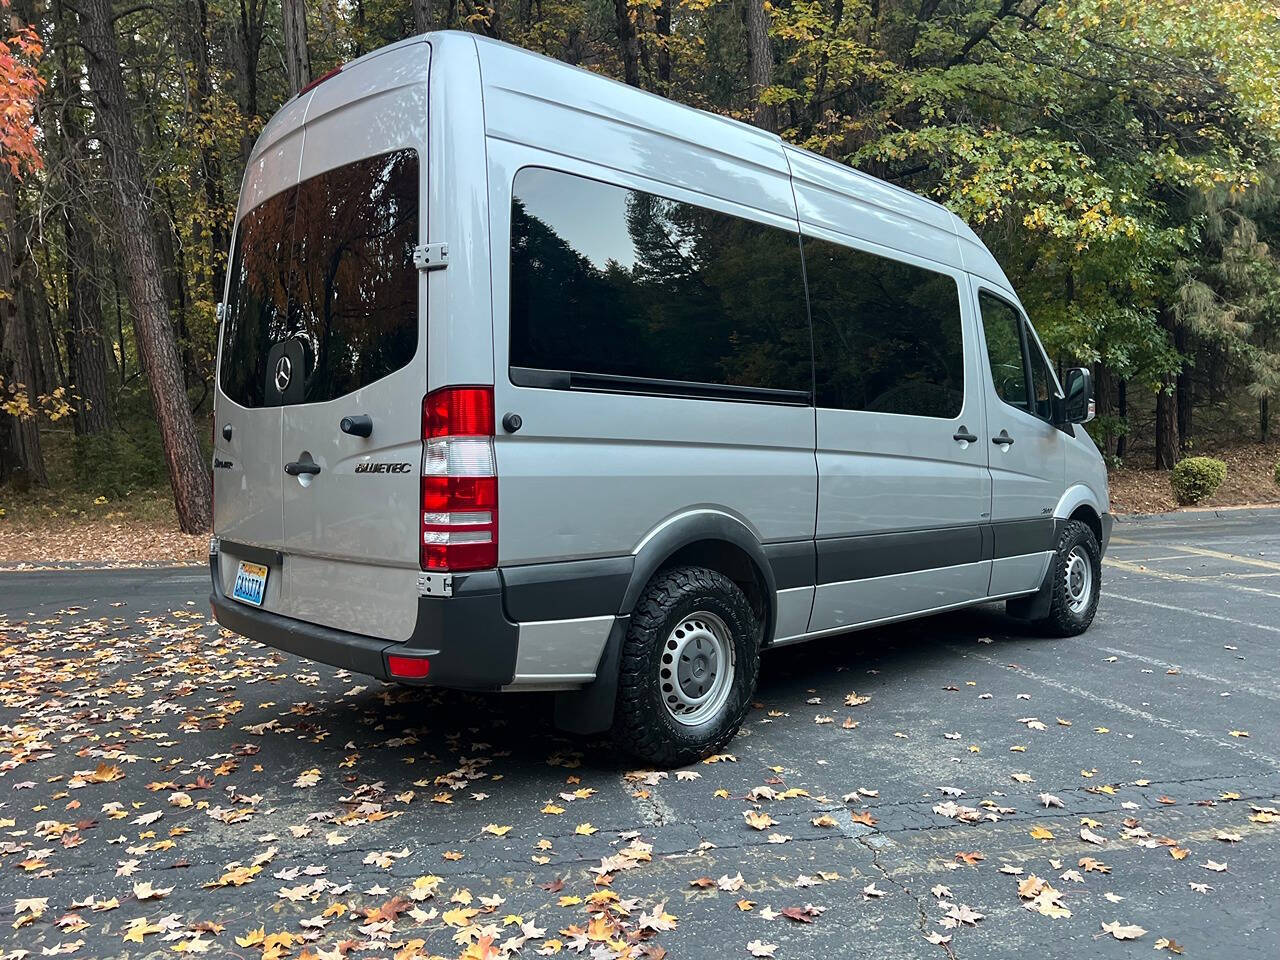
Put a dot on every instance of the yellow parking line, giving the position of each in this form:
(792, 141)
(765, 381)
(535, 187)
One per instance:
(1182, 577)
(1219, 555)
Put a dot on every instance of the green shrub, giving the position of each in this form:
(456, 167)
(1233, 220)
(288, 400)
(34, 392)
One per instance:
(1195, 478)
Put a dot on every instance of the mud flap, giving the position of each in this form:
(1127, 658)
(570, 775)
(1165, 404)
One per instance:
(590, 710)
(1035, 606)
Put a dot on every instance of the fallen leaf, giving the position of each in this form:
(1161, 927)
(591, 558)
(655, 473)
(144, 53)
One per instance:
(1120, 932)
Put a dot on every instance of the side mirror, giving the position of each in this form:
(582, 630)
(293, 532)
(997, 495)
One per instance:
(1078, 407)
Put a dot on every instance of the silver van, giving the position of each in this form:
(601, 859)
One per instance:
(532, 381)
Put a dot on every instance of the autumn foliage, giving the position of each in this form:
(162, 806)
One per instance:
(20, 84)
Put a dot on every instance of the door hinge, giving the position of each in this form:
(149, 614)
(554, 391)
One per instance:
(435, 585)
(431, 256)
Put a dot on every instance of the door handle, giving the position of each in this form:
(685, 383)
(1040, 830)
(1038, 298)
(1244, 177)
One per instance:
(1004, 440)
(298, 467)
(963, 435)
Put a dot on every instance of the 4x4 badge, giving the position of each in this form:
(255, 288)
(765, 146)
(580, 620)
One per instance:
(284, 373)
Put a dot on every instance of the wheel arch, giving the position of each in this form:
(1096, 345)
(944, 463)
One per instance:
(718, 541)
(706, 538)
(1079, 499)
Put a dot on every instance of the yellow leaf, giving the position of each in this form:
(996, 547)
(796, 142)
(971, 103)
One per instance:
(496, 830)
(584, 829)
(1040, 833)
(459, 917)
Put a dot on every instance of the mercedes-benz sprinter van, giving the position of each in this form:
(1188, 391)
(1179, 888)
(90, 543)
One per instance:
(530, 380)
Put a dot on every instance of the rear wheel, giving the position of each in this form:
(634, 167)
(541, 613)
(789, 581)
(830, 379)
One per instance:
(1077, 577)
(689, 667)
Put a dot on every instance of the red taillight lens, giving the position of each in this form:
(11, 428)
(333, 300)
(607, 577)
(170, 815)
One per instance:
(459, 508)
(408, 668)
(458, 412)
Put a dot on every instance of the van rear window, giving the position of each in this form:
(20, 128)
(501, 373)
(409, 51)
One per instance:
(324, 271)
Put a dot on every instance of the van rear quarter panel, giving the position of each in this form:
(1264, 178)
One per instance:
(590, 474)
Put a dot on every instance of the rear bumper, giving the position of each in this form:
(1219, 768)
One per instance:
(468, 638)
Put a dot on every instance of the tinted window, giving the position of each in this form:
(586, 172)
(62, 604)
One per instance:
(606, 280)
(258, 307)
(328, 264)
(1002, 324)
(887, 335)
(1042, 387)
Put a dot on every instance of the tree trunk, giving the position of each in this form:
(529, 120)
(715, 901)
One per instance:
(89, 355)
(662, 27)
(1122, 411)
(1103, 390)
(22, 460)
(245, 46)
(627, 42)
(1185, 392)
(421, 15)
(209, 169)
(1167, 425)
(1166, 439)
(86, 349)
(297, 60)
(759, 62)
(188, 473)
(1264, 419)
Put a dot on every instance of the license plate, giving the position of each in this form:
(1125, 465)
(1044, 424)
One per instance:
(251, 583)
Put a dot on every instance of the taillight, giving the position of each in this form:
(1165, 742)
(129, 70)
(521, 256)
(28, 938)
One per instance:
(459, 480)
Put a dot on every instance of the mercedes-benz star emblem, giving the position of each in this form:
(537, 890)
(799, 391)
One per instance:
(284, 372)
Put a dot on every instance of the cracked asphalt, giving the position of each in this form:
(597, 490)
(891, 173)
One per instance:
(1158, 731)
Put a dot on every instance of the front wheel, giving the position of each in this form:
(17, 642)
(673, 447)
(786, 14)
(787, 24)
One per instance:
(689, 667)
(1077, 579)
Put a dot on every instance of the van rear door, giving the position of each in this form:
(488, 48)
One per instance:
(246, 456)
(351, 348)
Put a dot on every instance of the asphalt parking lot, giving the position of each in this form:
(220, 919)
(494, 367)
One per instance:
(914, 790)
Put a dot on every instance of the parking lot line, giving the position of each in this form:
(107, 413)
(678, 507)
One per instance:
(1221, 555)
(1199, 613)
(1184, 578)
(1119, 707)
(1193, 674)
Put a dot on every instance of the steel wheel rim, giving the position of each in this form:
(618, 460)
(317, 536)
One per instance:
(696, 668)
(1079, 577)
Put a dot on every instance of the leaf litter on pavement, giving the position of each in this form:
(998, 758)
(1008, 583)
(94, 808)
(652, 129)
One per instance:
(174, 787)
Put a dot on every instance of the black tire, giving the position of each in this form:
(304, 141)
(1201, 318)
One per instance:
(1066, 617)
(643, 725)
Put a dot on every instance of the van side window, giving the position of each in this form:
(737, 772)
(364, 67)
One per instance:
(1042, 385)
(887, 335)
(1002, 324)
(1019, 370)
(614, 282)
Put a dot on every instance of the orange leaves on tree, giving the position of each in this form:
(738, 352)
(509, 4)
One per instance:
(20, 84)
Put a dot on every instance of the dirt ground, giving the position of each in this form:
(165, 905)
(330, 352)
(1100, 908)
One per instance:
(45, 532)
(1250, 480)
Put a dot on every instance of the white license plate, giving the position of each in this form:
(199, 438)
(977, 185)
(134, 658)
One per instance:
(251, 583)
